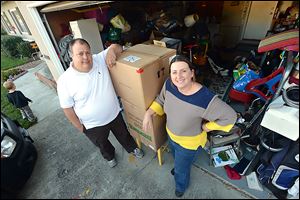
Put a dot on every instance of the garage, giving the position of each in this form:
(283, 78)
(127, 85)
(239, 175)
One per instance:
(223, 44)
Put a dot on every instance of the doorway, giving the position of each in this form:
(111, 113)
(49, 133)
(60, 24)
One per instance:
(259, 19)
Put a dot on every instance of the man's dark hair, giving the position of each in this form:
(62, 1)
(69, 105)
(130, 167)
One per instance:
(80, 40)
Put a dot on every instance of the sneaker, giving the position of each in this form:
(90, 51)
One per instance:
(112, 163)
(138, 153)
(178, 194)
(33, 120)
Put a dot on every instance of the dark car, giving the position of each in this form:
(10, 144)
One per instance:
(18, 156)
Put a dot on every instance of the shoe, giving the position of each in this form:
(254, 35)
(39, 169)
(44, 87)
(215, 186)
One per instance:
(112, 163)
(138, 153)
(173, 171)
(33, 120)
(178, 194)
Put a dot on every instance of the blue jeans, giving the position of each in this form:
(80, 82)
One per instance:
(183, 159)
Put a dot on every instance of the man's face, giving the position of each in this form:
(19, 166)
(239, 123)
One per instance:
(82, 57)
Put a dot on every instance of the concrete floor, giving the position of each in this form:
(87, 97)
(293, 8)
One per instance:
(70, 166)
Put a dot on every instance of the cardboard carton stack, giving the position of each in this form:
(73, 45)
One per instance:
(138, 77)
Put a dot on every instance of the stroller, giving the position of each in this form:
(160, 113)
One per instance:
(266, 89)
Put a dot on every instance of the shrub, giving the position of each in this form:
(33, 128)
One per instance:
(25, 49)
(3, 32)
(11, 72)
(9, 44)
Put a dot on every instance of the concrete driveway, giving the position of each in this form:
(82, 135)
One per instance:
(69, 166)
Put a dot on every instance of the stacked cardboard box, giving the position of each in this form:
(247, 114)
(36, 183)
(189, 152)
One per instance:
(138, 77)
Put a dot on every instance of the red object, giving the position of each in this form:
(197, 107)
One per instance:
(293, 80)
(190, 46)
(139, 71)
(231, 173)
(270, 81)
(287, 40)
(100, 14)
(243, 97)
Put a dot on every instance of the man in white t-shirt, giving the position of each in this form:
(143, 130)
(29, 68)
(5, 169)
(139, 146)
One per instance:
(89, 101)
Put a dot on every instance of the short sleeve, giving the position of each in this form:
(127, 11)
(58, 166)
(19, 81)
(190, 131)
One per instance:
(65, 100)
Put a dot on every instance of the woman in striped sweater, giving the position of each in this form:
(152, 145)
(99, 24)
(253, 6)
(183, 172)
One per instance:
(192, 111)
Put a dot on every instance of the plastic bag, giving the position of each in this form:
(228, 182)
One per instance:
(243, 80)
(119, 22)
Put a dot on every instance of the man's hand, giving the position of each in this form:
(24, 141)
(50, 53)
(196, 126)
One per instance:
(72, 117)
(80, 128)
(112, 54)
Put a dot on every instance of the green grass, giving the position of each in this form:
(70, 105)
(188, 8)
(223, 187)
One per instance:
(8, 62)
(13, 113)
(6, 107)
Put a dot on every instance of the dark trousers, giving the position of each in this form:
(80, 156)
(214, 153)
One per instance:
(99, 137)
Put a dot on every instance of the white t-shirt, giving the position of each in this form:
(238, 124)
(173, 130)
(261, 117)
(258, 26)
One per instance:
(91, 94)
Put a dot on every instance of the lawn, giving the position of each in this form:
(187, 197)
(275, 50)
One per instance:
(12, 112)
(6, 107)
(7, 62)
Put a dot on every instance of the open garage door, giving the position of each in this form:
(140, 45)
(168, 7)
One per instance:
(69, 5)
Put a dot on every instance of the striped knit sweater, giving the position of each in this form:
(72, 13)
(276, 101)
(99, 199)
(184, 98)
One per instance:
(185, 114)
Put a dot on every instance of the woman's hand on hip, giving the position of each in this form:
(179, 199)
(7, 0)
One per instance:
(204, 128)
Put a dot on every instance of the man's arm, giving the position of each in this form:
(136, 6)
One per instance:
(72, 117)
(113, 53)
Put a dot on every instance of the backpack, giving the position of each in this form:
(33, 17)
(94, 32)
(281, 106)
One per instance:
(266, 170)
(288, 170)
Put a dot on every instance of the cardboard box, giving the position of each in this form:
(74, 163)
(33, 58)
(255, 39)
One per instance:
(138, 78)
(165, 54)
(157, 134)
(171, 43)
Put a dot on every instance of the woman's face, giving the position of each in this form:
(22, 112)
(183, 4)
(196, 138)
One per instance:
(181, 74)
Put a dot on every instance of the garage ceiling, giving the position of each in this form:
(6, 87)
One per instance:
(64, 5)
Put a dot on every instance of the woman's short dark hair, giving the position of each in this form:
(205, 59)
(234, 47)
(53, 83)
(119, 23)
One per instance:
(80, 40)
(182, 58)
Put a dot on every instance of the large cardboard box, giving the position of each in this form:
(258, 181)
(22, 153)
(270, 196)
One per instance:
(165, 54)
(157, 134)
(138, 77)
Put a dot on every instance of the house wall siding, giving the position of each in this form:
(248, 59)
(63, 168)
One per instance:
(42, 40)
(5, 7)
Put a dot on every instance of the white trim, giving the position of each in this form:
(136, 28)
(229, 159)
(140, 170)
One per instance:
(13, 13)
(37, 21)
(10, 30)
(39, 3)
(66, 5)
(28, 40)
